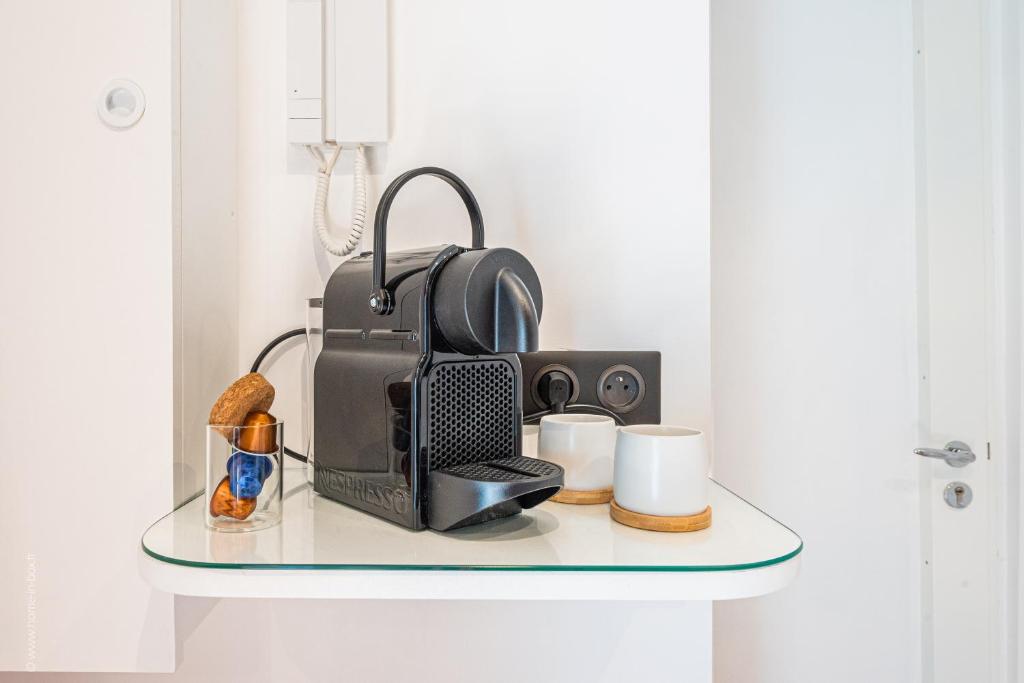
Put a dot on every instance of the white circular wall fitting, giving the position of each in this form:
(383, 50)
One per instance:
(121, 104)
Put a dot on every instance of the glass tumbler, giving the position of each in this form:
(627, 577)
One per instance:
(243, 476)
(314, 345)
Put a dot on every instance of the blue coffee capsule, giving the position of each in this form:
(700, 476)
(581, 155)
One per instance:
(247, 472)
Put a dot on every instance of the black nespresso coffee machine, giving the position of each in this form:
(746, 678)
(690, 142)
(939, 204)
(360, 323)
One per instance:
(418, 389)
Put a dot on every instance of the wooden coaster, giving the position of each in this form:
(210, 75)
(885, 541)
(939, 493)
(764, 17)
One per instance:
(701, 520)
(583, 497)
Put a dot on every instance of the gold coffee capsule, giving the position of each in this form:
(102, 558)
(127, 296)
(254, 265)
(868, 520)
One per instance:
(223, 504)
(259, 433)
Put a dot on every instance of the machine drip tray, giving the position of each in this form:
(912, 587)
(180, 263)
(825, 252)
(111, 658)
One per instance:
(481, 491)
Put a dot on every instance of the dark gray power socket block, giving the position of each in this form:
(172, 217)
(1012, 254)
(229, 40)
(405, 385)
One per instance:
(626, 382)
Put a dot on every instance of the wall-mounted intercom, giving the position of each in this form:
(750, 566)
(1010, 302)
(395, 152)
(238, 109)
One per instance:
(337, 72)
(338, 98)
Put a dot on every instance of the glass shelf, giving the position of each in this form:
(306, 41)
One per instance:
(320, 534)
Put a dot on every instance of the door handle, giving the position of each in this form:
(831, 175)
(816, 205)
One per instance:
(956, 454)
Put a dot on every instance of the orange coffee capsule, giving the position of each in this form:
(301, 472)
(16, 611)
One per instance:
(259, 433)
(223, 504)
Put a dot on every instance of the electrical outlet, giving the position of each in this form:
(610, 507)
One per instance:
(625, 382)
(621, 388)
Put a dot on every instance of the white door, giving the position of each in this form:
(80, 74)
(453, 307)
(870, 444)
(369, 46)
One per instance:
(961, 281)
(86, 303)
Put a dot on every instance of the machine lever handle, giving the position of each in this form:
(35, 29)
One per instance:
(380, 297)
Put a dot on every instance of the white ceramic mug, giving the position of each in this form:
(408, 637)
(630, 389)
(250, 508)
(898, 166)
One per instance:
(661, 470)
(584, 445)
(531, 434)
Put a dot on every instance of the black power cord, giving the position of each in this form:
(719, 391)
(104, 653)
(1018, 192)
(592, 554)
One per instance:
(274, 344)
(555, 389)
(277, 341)
(585, 408)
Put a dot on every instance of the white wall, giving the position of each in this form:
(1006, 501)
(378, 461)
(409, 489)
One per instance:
(582, 128)
(267, 641)
(813, 320)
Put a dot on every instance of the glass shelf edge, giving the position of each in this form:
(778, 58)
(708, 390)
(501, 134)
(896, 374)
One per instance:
(486, 568)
